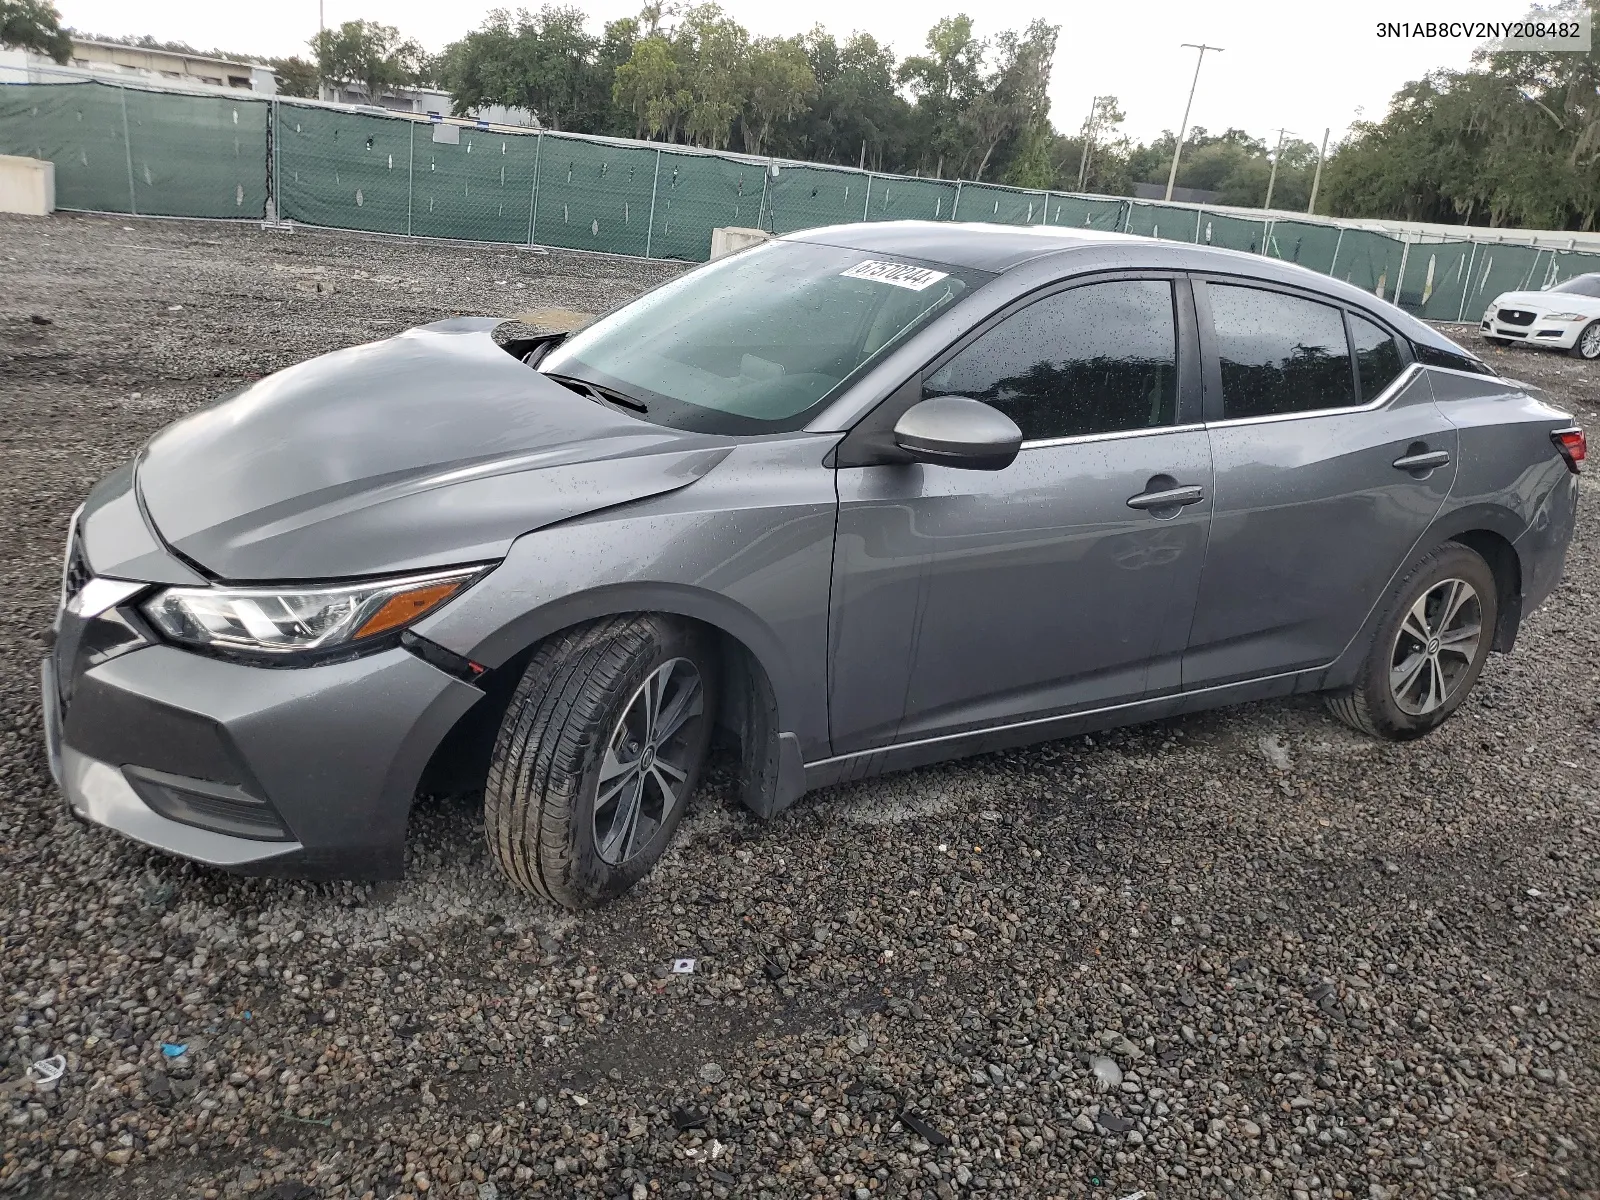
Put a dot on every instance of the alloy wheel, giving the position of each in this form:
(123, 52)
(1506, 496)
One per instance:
(1436, 647)
(1589, 341)
(646, 766)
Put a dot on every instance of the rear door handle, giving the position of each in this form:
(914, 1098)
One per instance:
(1170, 498)
(1422, 462)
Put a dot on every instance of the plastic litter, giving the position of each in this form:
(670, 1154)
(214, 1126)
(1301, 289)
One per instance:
(689, 1118)
(1106, 1072)
(174, 1049)
(48, 1070)
(683, 966)
(922, 1129)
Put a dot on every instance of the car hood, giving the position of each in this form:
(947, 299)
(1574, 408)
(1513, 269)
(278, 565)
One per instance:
(426, 449)
(1548, 302)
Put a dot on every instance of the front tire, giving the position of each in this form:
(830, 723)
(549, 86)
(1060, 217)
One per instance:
(1496, 341)
(1588, 344)
(1429, 648)
(598, 753)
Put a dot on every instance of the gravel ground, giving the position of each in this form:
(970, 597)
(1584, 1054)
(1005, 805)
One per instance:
(1243, 954)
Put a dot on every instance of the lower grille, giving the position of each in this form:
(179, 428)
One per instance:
(219, 807)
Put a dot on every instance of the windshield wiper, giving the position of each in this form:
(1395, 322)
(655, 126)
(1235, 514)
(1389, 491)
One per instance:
(595, 392)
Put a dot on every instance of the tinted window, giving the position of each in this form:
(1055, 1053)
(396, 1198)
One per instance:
(1095, 359)
(1580, 285)
(1279, 354)
(1378, 361)
(1456, 360)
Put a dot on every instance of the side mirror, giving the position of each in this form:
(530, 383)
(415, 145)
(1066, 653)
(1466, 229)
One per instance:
(956, 431)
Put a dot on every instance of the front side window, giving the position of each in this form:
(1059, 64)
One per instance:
(754, 342)
(1378, 360)
(1095, 359)
(1279, 354)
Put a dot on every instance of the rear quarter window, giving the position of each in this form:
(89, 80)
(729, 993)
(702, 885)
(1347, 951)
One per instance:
(1456, 360)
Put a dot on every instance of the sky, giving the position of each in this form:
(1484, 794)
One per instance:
(1301, 66)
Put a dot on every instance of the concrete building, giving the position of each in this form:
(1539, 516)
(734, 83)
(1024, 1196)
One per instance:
(423, 100)
(138, 64)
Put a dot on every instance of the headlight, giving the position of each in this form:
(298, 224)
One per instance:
(1564, 317)
(296, 619)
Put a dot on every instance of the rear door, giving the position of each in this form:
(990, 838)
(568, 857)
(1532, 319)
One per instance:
(1331, 461)
(967, 599)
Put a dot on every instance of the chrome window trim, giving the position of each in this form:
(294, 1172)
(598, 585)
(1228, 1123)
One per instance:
(1478, 375)
(1398, 384)
(1083, 438)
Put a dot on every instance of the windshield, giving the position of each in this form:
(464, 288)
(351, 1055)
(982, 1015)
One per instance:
(754, 342)
(1582, 285)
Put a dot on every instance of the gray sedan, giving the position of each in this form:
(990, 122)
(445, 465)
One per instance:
(857, 500)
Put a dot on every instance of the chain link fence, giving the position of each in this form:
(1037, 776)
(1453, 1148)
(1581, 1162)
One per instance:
(125, 149)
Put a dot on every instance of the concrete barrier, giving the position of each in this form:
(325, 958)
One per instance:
(731, 238)
(27, 185)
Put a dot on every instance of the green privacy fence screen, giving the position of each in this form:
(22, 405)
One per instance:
(141, 152)
(147, 152)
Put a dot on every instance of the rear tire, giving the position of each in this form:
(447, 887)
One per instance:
(1428, 650)
(598, 753)
(1588, 344)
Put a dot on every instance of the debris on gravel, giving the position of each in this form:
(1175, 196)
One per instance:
(1241, 954)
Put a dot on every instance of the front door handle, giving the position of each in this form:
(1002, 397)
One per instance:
(1168, 498)
(1425, 461)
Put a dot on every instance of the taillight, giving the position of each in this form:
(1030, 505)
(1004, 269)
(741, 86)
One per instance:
(1573, 445)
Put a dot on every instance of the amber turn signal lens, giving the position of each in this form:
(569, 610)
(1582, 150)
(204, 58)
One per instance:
(407, 607)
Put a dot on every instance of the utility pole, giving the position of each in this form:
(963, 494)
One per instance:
(1172, 176)
(1272, 179)
(1316, 179)
(1088, 138)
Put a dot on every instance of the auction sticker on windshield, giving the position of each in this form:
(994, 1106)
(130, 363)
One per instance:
(898, 274)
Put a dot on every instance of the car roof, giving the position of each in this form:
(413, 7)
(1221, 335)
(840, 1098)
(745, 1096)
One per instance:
(996, 248)
(975, 244)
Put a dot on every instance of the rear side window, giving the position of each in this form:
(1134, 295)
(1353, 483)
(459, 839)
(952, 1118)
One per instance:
(1279, 354)
(1096, 359)
(1456, 360)
(1378, 360)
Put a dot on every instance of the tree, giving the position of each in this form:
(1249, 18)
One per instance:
(296, 76)
(778, 83)
(650, 87)
(369, 54)
(712, 51)
(946, 82)
(546, 62)
(34, 25)
(616, 48)
(857, 114)
(1014, 105)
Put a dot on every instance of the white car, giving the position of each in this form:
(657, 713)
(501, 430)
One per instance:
(1566, 317)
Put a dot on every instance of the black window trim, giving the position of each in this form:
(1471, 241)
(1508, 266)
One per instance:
(870, 441)
(1211, 363)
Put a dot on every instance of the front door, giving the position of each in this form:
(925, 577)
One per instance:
(1331, 462)
(965, 599)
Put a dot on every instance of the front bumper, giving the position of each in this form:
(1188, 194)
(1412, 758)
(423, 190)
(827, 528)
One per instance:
(295, 771)
(1557, 335)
